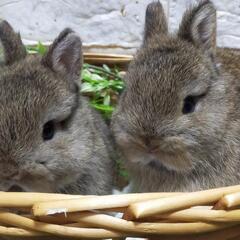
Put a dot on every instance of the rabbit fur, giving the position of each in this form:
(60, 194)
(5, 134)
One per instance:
(178, 120)
(50, 138)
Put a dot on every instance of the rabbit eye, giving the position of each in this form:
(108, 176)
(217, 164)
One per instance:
(48, 131)
(189, 104)
(191, 101)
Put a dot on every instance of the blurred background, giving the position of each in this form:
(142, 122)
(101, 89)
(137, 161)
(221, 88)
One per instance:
(108, 26)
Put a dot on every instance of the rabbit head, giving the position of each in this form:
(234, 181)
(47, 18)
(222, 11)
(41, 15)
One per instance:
(45, 132)
(172, 116)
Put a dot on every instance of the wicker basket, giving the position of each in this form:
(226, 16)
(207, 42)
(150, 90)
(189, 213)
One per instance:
(209, 214)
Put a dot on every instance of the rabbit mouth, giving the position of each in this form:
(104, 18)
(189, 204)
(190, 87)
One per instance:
(171, 153)
(16, 188)
(169, 156)
(179, 162)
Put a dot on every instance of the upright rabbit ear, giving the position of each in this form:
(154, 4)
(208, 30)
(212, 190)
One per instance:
(199, 26)
(65, 55)
(155, 21)
(13, 48)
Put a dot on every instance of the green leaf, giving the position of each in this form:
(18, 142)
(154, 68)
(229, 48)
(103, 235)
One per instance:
(122, 170)
(124, 173)
(106, 100)
(31, 49)
(102, 86)
(96, 77)
(106, 68)
(41, 48)
(87, 87)
(103, 107)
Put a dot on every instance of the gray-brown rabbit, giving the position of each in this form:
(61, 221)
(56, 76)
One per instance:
(178, 120)
(50, 139)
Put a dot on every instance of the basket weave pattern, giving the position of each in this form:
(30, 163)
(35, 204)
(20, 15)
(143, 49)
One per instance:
(209, 214)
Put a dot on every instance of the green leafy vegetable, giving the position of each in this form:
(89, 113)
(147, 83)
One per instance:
(103, 85)
(39, 48)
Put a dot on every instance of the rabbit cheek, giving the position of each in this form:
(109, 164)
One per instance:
(34, 177)
(136, 155)
(173, 155)
(179, 162)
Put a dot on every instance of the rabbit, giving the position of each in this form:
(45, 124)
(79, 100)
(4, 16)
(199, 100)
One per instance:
(51, 140)
(178, 119)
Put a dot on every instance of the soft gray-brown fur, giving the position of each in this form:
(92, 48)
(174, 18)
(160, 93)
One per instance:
(167, 150)
(33, 91)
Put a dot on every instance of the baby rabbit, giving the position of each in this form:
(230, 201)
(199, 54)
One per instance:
(50, 139)
(178, 120)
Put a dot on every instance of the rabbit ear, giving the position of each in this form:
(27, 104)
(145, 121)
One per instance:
(65, 55)
(155, 21)
(13, 47)
(199, 26)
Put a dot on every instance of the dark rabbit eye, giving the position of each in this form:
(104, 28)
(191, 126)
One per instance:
(48, 131)
(189, 104)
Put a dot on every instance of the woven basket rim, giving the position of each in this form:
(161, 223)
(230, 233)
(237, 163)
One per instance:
(208, 214)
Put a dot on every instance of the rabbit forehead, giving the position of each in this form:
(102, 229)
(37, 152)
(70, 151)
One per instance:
(29, 93)
(167, 64)
(161, 75)
(31, 84)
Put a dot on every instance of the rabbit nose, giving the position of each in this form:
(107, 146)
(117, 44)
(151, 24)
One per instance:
(153, 149)
(151, 145)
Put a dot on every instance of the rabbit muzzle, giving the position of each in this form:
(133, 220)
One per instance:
(169, 152)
